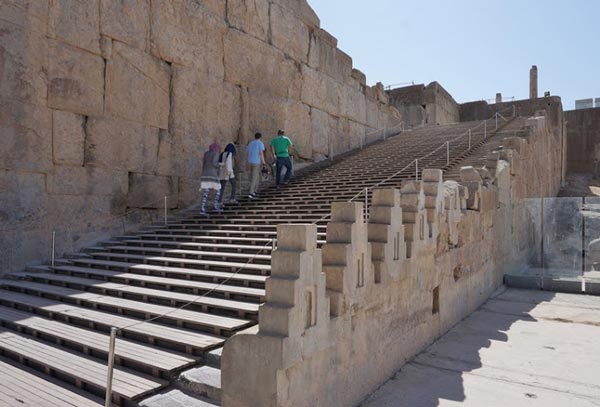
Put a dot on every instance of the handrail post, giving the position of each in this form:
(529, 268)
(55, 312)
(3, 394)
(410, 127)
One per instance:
(469, 139)
(53, 256)
(366, 204)
(496, 120)
(485, 129)
(417, 169)
(447, 152)
(166, 222)
(111, 363)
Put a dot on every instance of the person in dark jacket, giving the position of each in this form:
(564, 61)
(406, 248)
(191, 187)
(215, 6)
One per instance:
(210, 178)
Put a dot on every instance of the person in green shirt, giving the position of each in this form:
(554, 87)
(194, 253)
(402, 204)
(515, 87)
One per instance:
(280, 148)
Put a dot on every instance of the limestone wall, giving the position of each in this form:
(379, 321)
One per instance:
(107, 106)
(422, 105)
(340, 320)
(583, 140)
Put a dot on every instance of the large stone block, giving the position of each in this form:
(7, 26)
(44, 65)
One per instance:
(22, 197)
(137, 87)
(250, 16)
(330, 60)
(217, 117)
(320, 91)
(353, 104)
(75, 80)
(254, 64)
(186, 32)
(76, 22)
(23, 57)
(26, 136)
(67, 180)
(68, 138)
(166, 160)
(149, 191)
(289, 33)
(118, 144)
(126, 20)
(29, 14)
(300, 9)
(324, 131)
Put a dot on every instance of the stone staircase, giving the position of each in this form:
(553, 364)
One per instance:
(54, 322)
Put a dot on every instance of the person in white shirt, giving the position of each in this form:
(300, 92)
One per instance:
(226, 172)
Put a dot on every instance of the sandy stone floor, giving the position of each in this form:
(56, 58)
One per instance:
(521, 348)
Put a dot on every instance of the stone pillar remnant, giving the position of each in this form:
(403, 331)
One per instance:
(533, 82)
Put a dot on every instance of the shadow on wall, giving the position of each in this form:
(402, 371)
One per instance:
(438, 373)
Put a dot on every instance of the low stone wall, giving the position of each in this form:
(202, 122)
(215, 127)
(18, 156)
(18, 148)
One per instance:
(340, 320)
(108, 106)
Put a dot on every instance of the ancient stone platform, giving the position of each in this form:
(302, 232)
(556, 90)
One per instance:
(521, 348)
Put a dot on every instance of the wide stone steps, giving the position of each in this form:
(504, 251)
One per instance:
(21, 386)
(215, 266)
(128, 353)
(189, 254)
(83, 371)
(190, 342)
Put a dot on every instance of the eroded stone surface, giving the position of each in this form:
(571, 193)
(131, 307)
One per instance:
(127, 21)
(75, 80)
(133, 76)
(76, 22)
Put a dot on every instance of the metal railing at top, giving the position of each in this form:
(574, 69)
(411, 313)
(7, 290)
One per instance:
(496, 116)
(271, 243)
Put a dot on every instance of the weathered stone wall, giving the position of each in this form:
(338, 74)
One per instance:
(583, 140)
(340, 320)
(422, 105)
(107, 106)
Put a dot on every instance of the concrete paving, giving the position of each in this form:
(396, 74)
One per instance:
(521, 348)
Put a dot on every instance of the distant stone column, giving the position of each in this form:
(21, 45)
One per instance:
(498, 97)
(533, 82)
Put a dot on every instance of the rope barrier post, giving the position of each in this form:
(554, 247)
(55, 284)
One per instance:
(166, 210)
(366, 204)
(417, 169)
(496, 120)
(53, 256)
(111, 363)
(469, 139)
(447, 152)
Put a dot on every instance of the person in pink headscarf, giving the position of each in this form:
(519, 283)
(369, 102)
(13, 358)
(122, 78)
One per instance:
(210, 178)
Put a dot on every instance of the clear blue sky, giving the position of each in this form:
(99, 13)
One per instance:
(474, 48)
